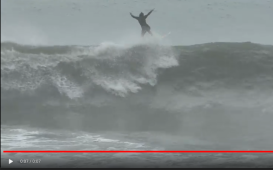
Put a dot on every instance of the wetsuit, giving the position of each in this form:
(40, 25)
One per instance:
(142, 21)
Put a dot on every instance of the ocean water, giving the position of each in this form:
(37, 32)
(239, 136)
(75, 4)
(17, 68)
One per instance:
(75, 75)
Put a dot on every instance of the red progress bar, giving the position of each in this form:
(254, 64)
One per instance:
(49, 151)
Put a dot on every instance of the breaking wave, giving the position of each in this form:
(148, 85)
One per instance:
(148, 78)
(73, 71)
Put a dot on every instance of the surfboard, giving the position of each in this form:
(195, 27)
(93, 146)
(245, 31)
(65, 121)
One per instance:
(164, 36)
(160, 37)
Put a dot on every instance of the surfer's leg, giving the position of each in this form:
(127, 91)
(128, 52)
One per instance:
(148, 29)
(150, 33)
(143, 32)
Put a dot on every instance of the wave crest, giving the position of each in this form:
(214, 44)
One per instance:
(74, 70)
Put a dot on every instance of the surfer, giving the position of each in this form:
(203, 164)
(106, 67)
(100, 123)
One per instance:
(142, 21)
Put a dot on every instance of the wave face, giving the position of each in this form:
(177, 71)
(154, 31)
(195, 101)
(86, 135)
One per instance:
(142, 86)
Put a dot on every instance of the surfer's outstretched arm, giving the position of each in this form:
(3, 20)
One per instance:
(133, 16)
(149, 13)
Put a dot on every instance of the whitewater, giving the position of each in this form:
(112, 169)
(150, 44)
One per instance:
(128, 93)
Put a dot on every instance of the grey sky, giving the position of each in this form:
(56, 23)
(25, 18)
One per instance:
(88, 22)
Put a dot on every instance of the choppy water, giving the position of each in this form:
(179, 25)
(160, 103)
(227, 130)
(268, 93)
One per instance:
(24, 138)
(145, 96)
